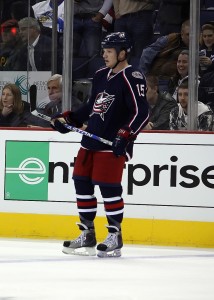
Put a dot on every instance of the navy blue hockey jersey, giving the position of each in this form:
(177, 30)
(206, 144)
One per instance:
(117, 100)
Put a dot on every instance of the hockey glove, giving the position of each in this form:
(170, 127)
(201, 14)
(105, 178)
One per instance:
(57, 125)
(123, 138)
(66, 117)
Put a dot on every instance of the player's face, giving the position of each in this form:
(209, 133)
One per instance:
(183, 64)
(54, 90)
(183, 96)
(110, 57)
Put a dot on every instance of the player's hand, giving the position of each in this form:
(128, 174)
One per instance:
(124, 136)
(67, 117)
(57, 122)
(58, 126)
(59, 117)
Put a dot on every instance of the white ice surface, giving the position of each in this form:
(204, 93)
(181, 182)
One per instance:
(39, 270)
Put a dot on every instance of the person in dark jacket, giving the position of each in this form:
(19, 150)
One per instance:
(14, 112)
(160, 105)
(206, 54)
(36, 53)
(160, 58)
(39, 51)
(10, 41)
(54, 87)
(206, 89)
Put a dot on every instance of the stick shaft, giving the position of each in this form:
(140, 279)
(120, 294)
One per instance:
(88, 134)
(75, 129)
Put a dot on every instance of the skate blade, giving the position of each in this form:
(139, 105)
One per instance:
(83, 251)
(114, 253)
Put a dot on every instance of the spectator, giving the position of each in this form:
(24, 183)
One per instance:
(179, 114)
(206, 89)
(207, 49)
(181, 73)
(160, 105)
(160, 58)
(39, 51)
(206, 86)
(54, 86)
(11, 41)
(108, 22)
(136, 19)
(43, 11)
(171, 15)
(36, 53)
(21, 9)
(14, 112)
(88, 16)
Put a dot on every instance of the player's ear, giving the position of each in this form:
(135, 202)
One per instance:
(122, 55)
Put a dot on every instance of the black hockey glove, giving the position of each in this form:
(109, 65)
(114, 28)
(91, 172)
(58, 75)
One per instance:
(57, 121)
(123, 138)
(58, 126)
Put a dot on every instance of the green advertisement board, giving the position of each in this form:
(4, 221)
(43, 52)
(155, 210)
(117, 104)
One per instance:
(26, 170)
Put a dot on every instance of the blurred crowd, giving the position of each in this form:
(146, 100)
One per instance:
(159, 31)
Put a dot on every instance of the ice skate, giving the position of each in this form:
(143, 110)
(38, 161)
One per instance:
(112, 245)
(83, 245)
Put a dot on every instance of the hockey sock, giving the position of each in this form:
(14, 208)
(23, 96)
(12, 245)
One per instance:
(86, 202)
(114, 204)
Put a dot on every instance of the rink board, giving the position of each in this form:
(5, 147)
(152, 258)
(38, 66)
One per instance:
(135, 231)
(168, 188)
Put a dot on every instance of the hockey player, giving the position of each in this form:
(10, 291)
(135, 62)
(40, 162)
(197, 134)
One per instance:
(117, 110)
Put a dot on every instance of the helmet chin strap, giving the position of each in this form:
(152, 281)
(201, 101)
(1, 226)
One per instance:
(118, 61)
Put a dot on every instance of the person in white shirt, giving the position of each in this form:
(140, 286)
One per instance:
(38, 46)
(179, 114)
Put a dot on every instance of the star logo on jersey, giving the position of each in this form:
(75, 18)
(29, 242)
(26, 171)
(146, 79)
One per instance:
(102, 104)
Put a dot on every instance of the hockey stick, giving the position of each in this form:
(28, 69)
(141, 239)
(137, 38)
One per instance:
(75, 129)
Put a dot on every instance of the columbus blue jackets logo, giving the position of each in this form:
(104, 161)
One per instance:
(102, 104)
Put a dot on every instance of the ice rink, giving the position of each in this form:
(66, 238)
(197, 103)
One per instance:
(35, 269)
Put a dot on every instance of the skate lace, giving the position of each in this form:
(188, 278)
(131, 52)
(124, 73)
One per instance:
(81, 238)
(110, 240)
